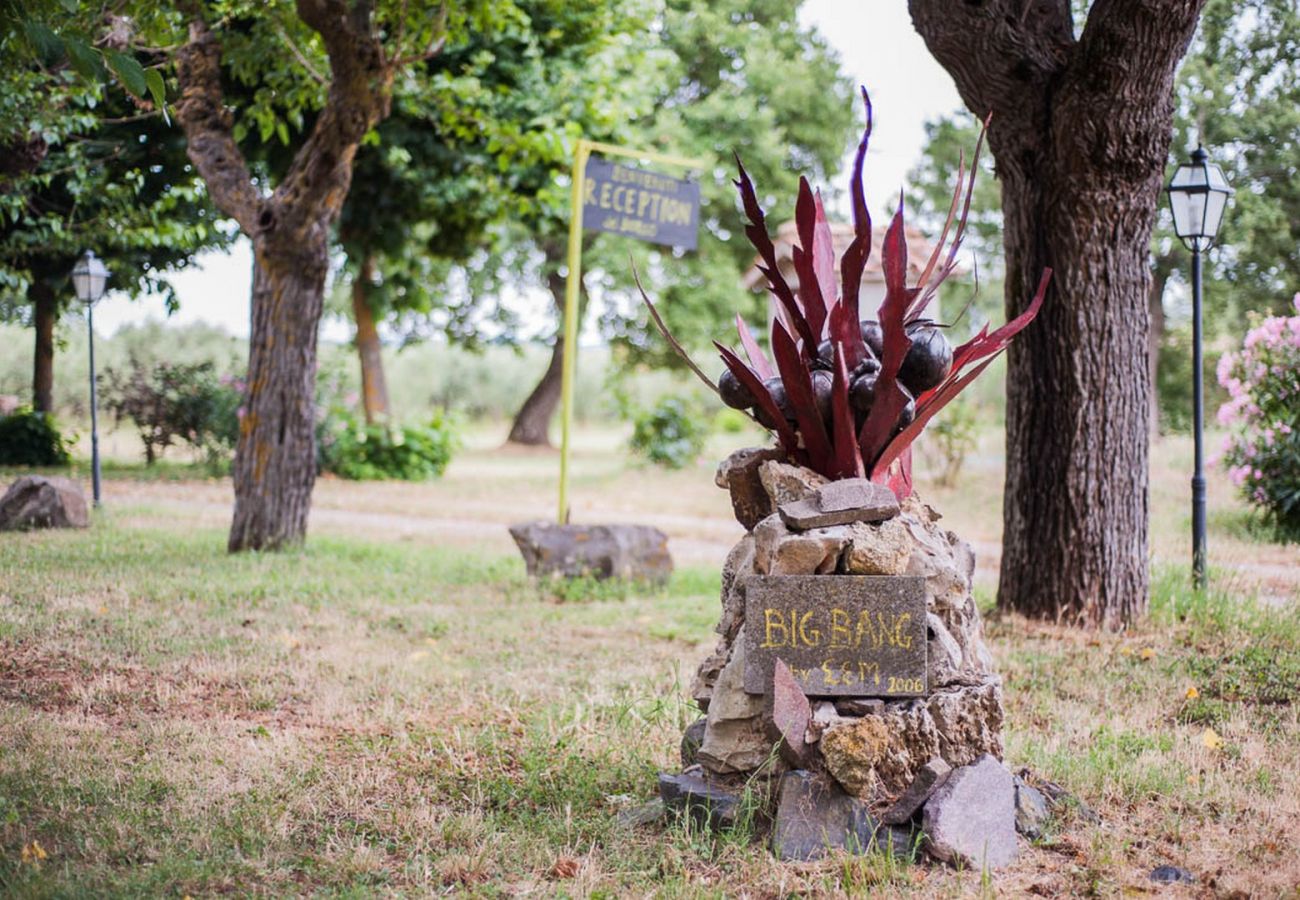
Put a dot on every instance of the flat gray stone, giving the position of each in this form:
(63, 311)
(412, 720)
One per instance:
(709, 804)
(841, 635)
(1032, 810)
(814, 816)
(929, 778)
(841, 503)
(627, 552)
(36, 501)
(970, 820)
(738, 474)
(1171, 875)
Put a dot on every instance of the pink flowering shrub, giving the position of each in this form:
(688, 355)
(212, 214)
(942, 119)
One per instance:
(1263, 384)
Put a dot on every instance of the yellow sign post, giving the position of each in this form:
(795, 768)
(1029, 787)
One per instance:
(572, 284)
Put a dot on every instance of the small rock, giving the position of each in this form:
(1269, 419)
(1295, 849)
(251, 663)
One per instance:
(971, 819)
(734, 740)
(945, 656)
(900, 840)
(710, 805)
(878, 756)
(841, 503)
(630, 552)
(813, 816)
(642, 815)
(692, 738)
(1171, 875)
(35, 501)
(785, 483)
(777, 551)
(739, 474)
(884, 549)
(969, 721)
(1032, 810)
(787, 720)
(860, 706)
(929, 778)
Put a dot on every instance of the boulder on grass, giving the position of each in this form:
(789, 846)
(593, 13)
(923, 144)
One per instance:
(35, 501)
(627, 552)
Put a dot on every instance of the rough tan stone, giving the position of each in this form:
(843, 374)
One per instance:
(734, 739)
(883, 549)
(779, 551)
(877, 757)
(968, 721)
(786, 483)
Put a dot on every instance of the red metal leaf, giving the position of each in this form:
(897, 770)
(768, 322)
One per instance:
(757, 358)
(785, 434)
(823, 255)
(848, 461)
(846, 332)
(756, 231)
(798, 388)
(854, 261)
(890, 398)
(938, 399)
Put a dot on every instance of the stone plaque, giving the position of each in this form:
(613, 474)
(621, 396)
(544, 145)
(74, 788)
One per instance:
(841, 635)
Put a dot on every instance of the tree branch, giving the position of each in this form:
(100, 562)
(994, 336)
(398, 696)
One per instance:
(210, 142)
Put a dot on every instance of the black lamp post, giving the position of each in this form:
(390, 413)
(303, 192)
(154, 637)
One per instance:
(1198, 195)
(89, 276)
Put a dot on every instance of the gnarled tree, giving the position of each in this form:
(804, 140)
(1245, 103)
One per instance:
(290, 228)
(1081, 128)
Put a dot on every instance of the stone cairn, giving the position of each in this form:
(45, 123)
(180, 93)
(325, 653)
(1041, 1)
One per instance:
(851, 773)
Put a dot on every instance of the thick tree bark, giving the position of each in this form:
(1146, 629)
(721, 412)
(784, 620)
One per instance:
(275, 461)
(45, 313)
(374, 389)
(532, 423)
(1080, 135)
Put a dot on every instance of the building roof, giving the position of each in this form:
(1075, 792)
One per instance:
(919, 248)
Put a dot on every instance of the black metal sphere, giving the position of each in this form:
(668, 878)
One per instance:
(928, 360)
(873, 336)
(822, 384)
(732, 392)
(862, 392)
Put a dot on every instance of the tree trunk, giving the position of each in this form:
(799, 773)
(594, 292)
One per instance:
(275, 461)
(1080, 134)
(532, 423)
(45, 315)
(374, 390)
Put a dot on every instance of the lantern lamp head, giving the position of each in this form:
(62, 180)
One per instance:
(89, 278)
(1198, 195)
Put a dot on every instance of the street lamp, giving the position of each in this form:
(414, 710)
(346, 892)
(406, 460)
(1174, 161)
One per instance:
(89, 277)
(1198, 195)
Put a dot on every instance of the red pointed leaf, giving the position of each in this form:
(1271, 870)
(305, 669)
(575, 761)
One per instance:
(756, 231)
(823, 255)
(785, 434)
(810, 295)
(890, 398)
(798, 388)
(854, 261)
(757, 359)
(848, 461)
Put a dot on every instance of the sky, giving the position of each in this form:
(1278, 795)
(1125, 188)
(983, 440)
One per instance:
(878, 48)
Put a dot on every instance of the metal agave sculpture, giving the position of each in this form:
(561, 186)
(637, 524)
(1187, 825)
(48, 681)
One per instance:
(847, 397)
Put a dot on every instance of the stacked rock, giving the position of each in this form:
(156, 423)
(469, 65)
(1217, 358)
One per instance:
(851, 772)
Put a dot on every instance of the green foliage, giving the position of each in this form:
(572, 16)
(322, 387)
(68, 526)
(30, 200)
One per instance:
(1263, 384)
(352, 449)
(171, 402)
(671, 433)
(30, 438)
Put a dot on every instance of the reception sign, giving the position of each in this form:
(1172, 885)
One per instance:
(637, 203)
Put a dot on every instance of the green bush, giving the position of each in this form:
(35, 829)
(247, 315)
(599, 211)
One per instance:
(174, 402)
(1263, 384)
(1174, 381)
(30, 438)
(352, 449)
(671, 433)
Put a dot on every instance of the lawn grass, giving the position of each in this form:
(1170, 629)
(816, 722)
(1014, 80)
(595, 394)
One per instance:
(364, 717)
